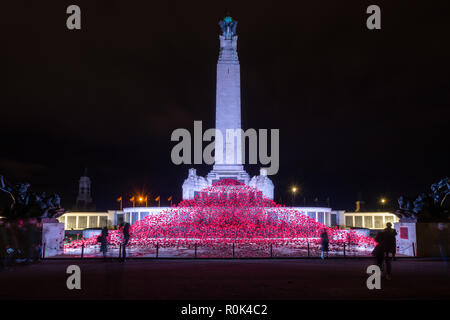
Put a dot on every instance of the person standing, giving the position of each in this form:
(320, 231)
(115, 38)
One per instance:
(104, 242)
(390, 246)
(126, 238)
(325, 242)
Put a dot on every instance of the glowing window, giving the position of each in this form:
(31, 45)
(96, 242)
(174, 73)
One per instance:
(93, 221)
(320, 217)
(71, 222)
(103, 221)
(389, 219)
(378, 222)
(349, 221)
(358, 221)
(368, 222)
(82, 222)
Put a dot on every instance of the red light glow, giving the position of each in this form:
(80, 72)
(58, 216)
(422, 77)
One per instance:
(230, 212)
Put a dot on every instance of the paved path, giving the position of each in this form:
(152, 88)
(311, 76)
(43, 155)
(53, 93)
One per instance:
(225, 279)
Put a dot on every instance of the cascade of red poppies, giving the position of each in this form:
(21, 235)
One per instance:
(229, 212)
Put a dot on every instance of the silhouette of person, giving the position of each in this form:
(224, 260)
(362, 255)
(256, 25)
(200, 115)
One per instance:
(390, 247)
(104, 242)
(126, 238)
(386, 245)
(324, 242)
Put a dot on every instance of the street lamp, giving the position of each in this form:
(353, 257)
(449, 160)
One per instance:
(383, 202)
(142, 199)
(294, 190)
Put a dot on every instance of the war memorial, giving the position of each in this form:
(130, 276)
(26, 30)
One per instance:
(229, 214)
(228, 237)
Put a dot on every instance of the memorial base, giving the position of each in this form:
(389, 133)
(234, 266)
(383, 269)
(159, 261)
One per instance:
(421, 239)
(52, 238)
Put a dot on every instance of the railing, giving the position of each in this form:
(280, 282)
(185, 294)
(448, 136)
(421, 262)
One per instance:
(219, 251)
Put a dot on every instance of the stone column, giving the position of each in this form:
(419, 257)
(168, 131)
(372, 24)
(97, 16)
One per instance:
(228, 105)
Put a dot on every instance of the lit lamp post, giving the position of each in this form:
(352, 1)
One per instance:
(142, 199)
(294, 193)
(383, 202)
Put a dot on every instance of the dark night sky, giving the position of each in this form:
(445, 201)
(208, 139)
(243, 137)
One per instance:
(358, 110)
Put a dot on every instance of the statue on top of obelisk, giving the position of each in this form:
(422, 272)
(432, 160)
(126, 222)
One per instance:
(228, 26)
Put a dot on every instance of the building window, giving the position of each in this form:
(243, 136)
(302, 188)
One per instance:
(378, 222)
(134, 217)
(93, 221)
(368, 222)
(358, 221)
(312, 215)
(333, 221)
(320, 217)
(71, 222)
(349, 221)
(82, 222)
(389, 219)
(143, 215)
(103, 221)
(119, 219)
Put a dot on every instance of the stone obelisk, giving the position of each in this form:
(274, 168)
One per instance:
(228, 162)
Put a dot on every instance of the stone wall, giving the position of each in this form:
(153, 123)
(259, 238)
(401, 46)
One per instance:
(421, 239)
(53, 238)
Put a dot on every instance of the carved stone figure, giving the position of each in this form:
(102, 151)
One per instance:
(23, 196)
(440, 191)
(427, 206)
(228, 27)
(18, 202)
(405, 204)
